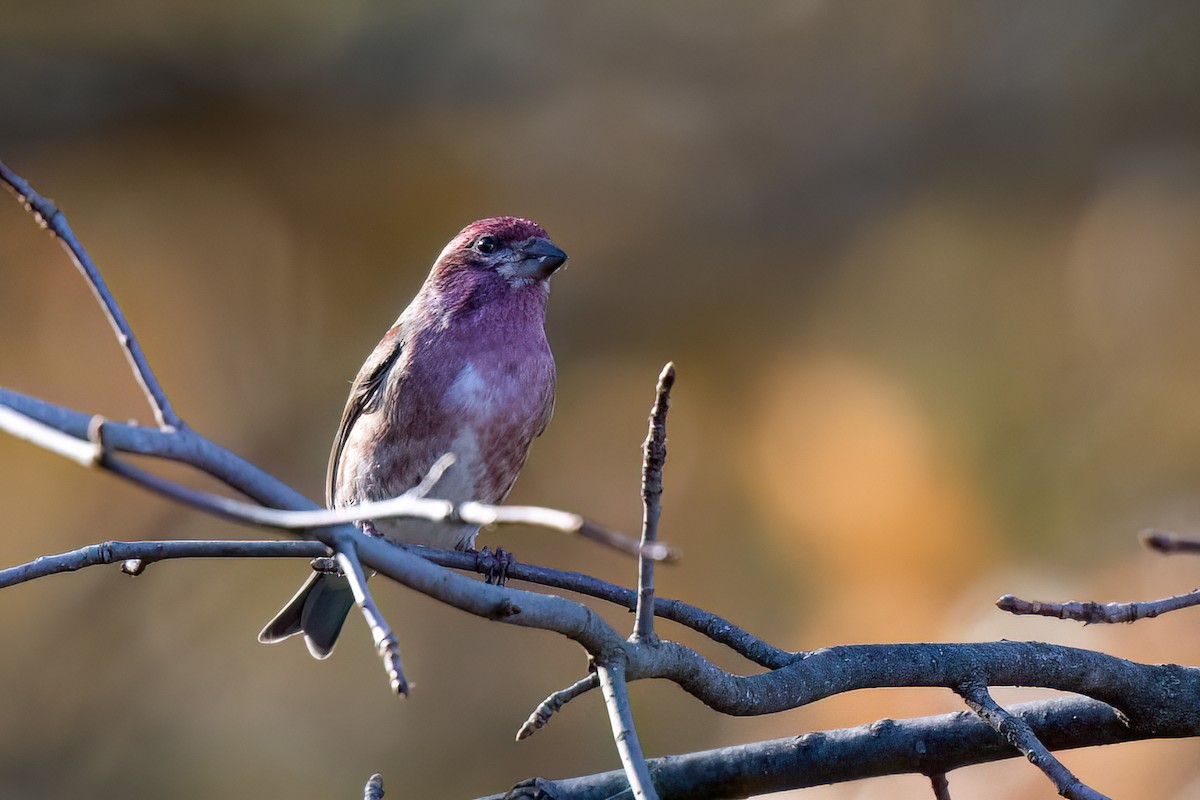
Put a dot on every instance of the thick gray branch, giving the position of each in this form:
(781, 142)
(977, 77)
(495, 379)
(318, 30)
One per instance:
(1154, 694)
(927, 746)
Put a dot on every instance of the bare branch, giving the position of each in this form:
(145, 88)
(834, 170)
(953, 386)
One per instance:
(1168, 542)
(1151, 691)
(551, 705)
(654, 456)
(1017, 732)
(925, 745)
(149, 552)
(1090, 613)
(616, 700)
(941, 786)
(386, 643)
(53, 220)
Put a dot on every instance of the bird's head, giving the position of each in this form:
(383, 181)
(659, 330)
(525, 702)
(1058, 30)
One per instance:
(516, 249)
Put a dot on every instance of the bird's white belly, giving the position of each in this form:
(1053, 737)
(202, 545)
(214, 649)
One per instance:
(458, 485)
(478, 404)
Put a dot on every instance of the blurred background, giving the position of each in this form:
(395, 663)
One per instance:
(928, 271)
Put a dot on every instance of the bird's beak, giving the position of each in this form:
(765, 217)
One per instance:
(540, 258)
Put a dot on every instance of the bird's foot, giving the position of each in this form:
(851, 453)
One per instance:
(326, 565)
(494, 565)
(329, 565)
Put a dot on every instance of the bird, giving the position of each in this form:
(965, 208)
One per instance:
(467, 370)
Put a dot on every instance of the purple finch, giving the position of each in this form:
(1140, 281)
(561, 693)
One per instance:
(465, 370)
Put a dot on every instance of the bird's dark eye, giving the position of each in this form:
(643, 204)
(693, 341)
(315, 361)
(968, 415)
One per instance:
(486, 244)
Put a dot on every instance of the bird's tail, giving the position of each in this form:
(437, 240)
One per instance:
(318, 611)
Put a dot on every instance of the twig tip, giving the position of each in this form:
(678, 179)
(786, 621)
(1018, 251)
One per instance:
(1155, 538)
(667, 376)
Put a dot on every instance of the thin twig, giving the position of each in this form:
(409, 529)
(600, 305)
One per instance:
(620, 715)
(1168, 542)
(654, 456)
(1016, 731)
(551, 705)
(149, 552)
(53, 220)
(386, 643)
(941, 786)
(1089, 612)
(1154, 691)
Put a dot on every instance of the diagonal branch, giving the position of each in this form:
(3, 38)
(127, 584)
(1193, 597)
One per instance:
(616, 700)
(386, 643)
(1016, 731)
(654, 457)
(53, 220)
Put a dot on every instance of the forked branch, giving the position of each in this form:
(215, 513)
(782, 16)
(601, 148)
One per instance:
(1017, 732)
